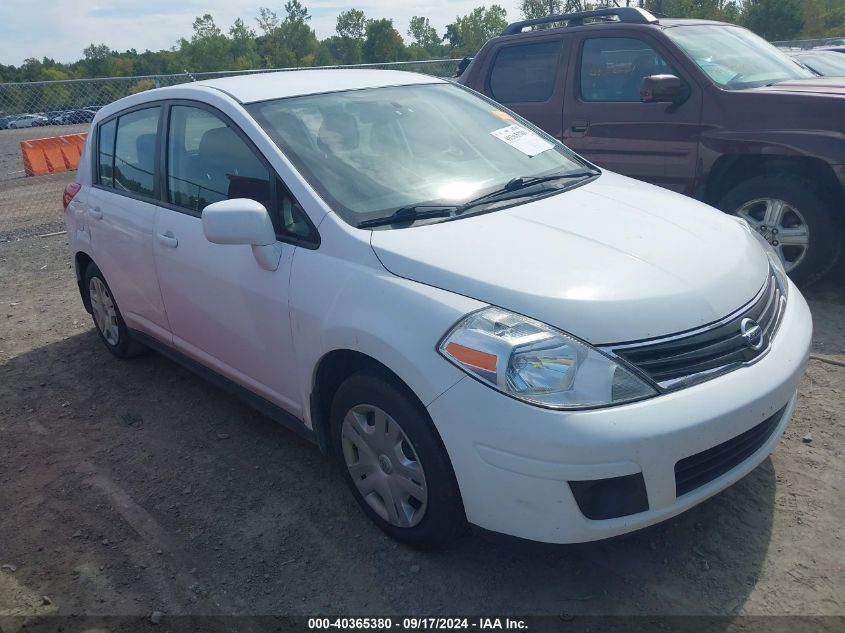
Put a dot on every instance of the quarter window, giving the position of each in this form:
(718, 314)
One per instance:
(612, 68)
(105, 142)
(208, 162)
(134, 151)
(525, 73)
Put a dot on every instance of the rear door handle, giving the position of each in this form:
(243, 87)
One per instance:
(168, 240)
(96, 213)
(580, 126)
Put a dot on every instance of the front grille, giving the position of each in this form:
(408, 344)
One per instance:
(696, 470)
(678, 361)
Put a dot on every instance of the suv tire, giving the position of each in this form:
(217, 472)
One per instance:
(806, 205)
(394, 461)
(108, 321)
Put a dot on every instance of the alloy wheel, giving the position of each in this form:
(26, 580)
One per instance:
(782, 225)
(384, 465)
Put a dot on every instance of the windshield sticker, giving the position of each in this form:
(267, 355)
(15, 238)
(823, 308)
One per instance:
(522, 139)
(502, 115)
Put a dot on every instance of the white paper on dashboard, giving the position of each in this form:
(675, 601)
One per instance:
(522, 139)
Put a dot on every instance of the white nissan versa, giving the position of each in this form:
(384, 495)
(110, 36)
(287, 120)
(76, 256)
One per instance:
(478, 324)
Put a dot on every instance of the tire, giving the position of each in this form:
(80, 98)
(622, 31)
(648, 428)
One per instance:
(807, 205)
(427, 513)
(108, 322)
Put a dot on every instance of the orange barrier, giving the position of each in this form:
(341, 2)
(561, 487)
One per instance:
(52, 154)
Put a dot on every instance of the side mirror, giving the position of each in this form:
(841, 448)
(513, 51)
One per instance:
(243, 221)
(662, 89)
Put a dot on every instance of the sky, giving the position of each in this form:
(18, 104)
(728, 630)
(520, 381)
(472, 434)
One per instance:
(61, 29)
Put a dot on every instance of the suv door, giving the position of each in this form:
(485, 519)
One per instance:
(121, 207)
(528, 77)
(605, 121)
(225, 310)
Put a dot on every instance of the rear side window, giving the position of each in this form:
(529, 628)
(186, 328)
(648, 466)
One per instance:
(105, 143)
(134, 151)
(525, 73)
(612, 68)
(208, 162)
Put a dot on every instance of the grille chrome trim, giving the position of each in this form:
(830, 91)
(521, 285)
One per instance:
(688, 358)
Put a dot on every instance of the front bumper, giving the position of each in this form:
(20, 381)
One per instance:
(513, 461)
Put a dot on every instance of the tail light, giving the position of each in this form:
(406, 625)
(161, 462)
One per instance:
(70, 191)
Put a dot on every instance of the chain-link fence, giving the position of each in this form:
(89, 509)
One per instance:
(794, 45)
(40, 127)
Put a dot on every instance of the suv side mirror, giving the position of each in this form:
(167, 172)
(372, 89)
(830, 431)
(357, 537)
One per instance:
(243, 221)
(662, 89)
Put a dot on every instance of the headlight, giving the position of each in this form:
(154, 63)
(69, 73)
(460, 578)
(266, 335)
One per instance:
(534, 362)
(774, 257)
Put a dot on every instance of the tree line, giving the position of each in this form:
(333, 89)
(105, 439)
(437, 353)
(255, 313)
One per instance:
(286, 39)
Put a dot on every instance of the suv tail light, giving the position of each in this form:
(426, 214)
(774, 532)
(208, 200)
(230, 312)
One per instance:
(70, 191)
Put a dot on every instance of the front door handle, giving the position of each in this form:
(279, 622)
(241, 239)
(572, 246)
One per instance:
(96, 213)
(168, 240)
(579, 127)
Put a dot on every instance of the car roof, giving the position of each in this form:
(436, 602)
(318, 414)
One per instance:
(254, 87)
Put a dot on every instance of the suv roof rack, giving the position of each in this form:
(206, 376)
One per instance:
(628, 15)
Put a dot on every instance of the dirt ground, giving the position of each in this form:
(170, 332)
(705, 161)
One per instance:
(133, 487)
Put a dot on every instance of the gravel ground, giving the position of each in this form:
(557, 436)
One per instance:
(133, 487)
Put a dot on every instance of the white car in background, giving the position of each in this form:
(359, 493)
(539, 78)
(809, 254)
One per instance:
(478, 325)
(28, 120)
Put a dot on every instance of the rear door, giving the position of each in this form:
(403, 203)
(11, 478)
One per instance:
(605, 121)
(121, 207)
(528, 77)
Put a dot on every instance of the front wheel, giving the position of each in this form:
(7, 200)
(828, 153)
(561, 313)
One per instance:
(795, 217)
(394, 461)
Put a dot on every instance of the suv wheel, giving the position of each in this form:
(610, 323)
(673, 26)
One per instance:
(107, 318)
(795, 217)
(394, 461)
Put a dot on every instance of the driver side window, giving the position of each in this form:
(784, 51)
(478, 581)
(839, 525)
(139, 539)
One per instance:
(612, 68)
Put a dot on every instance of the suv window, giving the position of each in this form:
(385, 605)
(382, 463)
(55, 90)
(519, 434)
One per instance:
(525, 73)
(208, 162)
(612, 68)
(134, 151)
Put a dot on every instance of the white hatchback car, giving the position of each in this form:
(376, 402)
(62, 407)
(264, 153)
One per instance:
(479, 325)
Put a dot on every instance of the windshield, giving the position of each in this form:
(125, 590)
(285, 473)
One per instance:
(371, 152)
(734, 58)
(826, 63)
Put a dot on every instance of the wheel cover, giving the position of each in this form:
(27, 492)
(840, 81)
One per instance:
(105, 314)
(782, 225)
(384, 465)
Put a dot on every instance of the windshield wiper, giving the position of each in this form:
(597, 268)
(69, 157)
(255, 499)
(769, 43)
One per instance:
(410, 213)
(514, 188)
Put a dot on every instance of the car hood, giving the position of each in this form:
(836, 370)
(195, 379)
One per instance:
(816, 85)
(611, 261)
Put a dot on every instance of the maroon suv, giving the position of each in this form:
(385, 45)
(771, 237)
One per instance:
(704, 108)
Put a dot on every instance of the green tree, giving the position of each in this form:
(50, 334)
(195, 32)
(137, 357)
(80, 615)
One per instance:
(347, 46)
(423, 35)
(96, 59)
(243, 46)
(351, 24)
(382, 42)
(469, 33)
(531, 9)
(208, 48)
(774, 19)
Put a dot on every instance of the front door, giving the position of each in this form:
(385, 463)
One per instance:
(225, 310)
(605, 121)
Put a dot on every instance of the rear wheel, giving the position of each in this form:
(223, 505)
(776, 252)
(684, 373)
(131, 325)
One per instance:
(795, 217)
(107, 318)
(394, 461)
